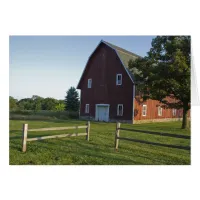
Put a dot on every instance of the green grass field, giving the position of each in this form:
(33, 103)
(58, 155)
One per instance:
(100, 149)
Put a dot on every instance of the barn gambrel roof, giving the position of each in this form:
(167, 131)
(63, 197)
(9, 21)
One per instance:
(124, 57)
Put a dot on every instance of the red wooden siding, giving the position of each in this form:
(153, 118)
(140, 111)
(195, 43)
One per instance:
(152, 111)
(102, 69)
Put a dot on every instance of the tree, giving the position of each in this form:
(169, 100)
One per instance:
(164, 74)
(34, 97)
(49, 103)
(60, 107)
(37, 105)
(37, 102)
(26, 104)
(12, 103)
(72, 100)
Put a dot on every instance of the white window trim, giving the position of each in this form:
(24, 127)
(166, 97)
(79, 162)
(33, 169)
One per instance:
(90, 81)
(145, 110)
(118, 109)
(117, 83)
(160, 113)
(87, 108)
(173, 112)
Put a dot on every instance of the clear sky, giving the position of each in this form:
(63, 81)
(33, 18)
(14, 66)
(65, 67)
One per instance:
(49, 65)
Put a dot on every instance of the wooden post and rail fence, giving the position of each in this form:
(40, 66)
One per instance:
(25, 138)
(117, 137)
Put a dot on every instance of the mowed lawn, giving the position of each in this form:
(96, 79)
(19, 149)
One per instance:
(100, 149)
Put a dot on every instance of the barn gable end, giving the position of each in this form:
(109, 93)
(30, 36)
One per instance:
(102, 67)
(123, 55)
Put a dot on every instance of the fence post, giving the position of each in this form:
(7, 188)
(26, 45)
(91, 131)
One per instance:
(88, 131)
(24, 137)
(117, 135)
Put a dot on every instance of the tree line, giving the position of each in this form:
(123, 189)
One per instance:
(37, 103)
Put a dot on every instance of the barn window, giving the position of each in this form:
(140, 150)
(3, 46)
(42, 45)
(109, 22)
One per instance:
(174, 112)
(120, 110)
(87, 107)
(119, 79)
(159, 111)
(144, 110)
(89, 83)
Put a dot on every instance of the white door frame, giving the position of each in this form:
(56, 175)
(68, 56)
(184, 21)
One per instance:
(96, 110)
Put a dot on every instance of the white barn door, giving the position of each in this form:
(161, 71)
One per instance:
(102, 112)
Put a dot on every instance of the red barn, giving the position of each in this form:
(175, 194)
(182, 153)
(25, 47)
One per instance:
(108, 91)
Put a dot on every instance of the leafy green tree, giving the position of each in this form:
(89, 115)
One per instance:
(49, 103)
(61, 101)
(164, 74)
(37, 102)
(37, 105)
(26, 104)
(35, 97)
(20, 106)
(60, 107)
(72, 100)
(12, 103)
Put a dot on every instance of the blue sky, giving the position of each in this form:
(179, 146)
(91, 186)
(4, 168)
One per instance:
(48, 65)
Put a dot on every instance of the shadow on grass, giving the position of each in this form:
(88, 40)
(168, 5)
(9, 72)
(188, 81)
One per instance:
(158, 133)
(86, 150)
(15, 137)
(18, 134)
(80, 148)
(156, 144)
(158, 159)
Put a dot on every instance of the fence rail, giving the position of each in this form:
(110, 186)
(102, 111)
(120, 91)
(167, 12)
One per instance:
(117, 138)
(57, 128)
(25, 130)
